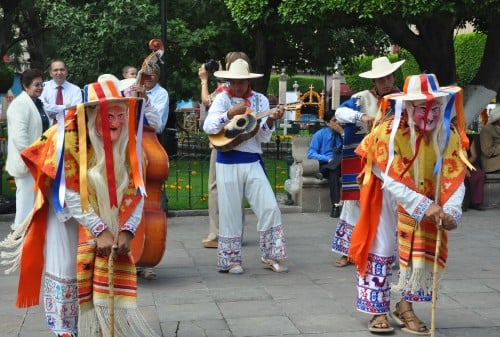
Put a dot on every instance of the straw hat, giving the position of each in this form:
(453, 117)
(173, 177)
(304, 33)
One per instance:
(104, 77)
(494, 114)
(422, 87)
(126, 83)
(238, 69)
(381, 67)
(120, 84)
(107, 89)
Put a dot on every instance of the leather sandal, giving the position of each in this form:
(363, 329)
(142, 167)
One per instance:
(380, 324)
(342, 262)
(406, 318)
(275, 266)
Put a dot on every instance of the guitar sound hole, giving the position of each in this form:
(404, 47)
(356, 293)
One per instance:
(241, 122)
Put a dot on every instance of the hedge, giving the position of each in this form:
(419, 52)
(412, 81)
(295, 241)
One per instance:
(469, 49)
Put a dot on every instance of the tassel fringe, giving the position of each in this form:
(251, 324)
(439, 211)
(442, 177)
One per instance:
(14, 245)
(415, 281)
(128, 322)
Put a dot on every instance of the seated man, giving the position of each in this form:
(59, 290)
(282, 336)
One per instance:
(490, 143)
(326, 147)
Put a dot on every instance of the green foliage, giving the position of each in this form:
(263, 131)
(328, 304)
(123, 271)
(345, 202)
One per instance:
(410, 67)
(187, 184)
(469, 50)
(248, 13)
(97, 35)
(304, 83)
(361, 64)
(6, 77)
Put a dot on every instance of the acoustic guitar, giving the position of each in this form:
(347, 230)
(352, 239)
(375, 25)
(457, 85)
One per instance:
(242, 127)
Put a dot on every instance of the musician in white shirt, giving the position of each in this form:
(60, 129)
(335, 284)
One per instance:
(240, 173)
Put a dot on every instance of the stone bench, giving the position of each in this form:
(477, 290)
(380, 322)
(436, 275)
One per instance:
(313, 194)
(492, 190)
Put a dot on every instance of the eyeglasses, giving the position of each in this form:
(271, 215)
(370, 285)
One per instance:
(38, 84)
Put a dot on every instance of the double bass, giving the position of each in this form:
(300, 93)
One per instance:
(150, 239)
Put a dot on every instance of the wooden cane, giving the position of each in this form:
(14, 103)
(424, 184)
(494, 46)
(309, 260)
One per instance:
(437, 200)
(111, 281)
(435, 279)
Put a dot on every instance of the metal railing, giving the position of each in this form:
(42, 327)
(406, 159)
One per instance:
(187, 184)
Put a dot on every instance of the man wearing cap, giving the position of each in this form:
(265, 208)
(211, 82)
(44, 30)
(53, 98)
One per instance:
(415, 159)
(89, 207)
(357, 114)
(240, 172)
(59, 94)
(490, 142)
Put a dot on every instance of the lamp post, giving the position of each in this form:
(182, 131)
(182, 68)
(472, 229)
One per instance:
(163, 15)
(282, 97)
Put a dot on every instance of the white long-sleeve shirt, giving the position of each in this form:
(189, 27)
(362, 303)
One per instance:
(217, 118)
(158, 98)
(72, 95)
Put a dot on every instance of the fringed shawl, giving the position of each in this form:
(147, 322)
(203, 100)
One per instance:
(375, 150)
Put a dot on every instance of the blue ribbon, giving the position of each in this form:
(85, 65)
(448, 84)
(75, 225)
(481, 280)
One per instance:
(447, 127)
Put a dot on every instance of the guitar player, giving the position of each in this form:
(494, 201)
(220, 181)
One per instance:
(240, 173)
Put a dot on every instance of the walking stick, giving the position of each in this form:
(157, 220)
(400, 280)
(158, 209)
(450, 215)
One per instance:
(437, 195)
(111, 281)
(434, 280)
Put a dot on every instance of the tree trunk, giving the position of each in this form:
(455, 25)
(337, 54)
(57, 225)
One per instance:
(434, 51)
(430, 42)
(486, 84)
(263, 60)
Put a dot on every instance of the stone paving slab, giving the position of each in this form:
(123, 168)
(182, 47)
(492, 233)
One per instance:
(191, 299)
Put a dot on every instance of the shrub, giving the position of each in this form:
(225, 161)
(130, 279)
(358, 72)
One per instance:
(6, 77)
(469, 50)
(304, 83)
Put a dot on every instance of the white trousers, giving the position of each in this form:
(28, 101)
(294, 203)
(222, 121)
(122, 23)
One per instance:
(60, 294)
(25, 198)
(235, 181)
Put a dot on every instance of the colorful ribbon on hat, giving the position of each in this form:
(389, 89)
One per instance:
(135, 144)
(134, 147)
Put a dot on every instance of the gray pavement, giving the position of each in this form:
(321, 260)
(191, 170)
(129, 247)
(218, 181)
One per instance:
(190, 298)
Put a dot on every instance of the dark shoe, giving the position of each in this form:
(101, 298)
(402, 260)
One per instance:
(478, 207)
(335, 212)
(319, 175)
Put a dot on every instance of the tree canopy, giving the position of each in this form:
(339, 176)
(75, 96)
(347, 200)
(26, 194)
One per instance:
(426, 28)
(95, 37)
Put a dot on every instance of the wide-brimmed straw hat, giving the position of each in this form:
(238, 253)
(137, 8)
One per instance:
(120, 84)
(238, 69)
(381, 67)
(126, 83)
(107, 89)
(494, 114)
(422, 87)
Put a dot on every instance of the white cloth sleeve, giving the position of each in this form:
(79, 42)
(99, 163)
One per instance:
(91, 220)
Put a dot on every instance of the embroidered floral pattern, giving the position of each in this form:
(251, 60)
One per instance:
(229, 253)
(272, 243)
(342, 238)
(374, 289)
(61, 306)
(419, 211)
(97, 228)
